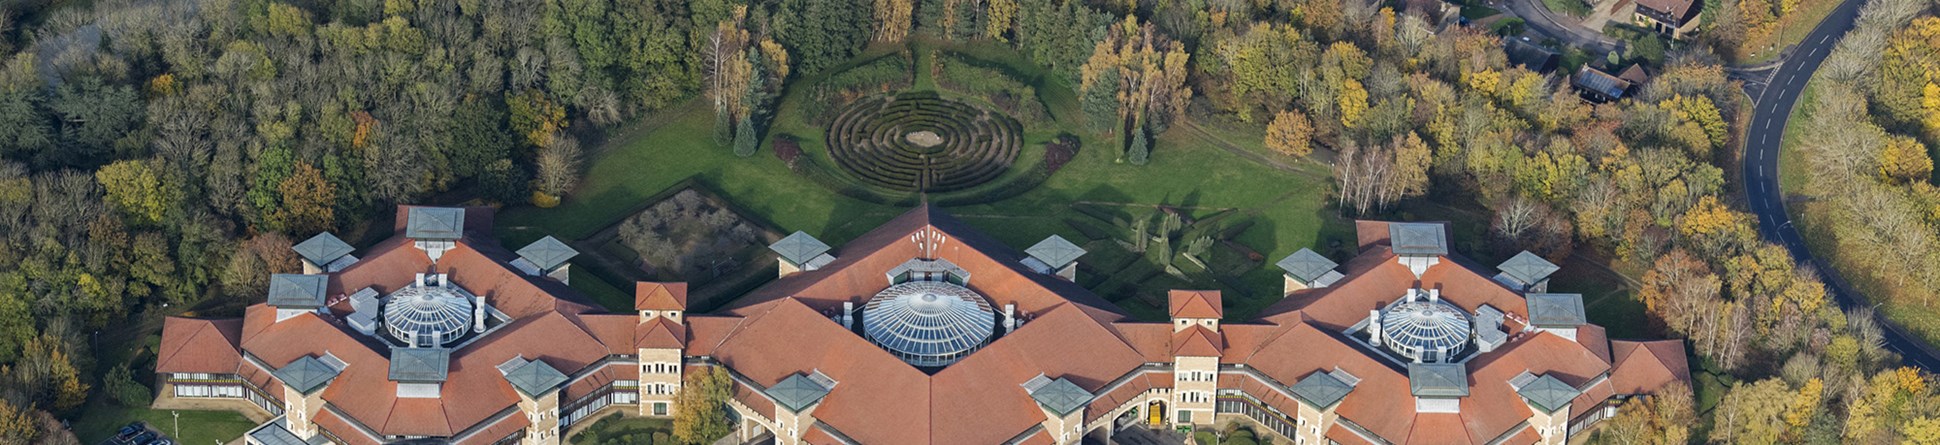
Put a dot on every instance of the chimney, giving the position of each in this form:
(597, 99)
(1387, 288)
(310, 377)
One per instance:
(1374, 327)
(444, 280)
(1435, 295)
(478, 314)
(1010, 317)
(848, 315)
(419, 280)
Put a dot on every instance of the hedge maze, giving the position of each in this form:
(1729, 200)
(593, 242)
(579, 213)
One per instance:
(919, 142)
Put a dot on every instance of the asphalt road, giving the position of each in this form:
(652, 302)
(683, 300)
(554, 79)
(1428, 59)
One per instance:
(1774, 104)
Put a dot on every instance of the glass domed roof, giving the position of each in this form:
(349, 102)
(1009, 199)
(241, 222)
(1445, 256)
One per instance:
(929, 323)
(427, 315)
(1425, 330)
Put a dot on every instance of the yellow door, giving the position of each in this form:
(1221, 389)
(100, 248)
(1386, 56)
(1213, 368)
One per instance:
(1158, 413)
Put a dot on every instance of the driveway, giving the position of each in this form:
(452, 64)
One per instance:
(1775, 99)
(1566, 31)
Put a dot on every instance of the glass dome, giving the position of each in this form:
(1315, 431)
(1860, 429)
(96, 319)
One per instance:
(929, 323)
(427, 316)
(1425, 330)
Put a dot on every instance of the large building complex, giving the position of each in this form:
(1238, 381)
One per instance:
(922, 331)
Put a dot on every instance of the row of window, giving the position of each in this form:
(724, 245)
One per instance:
(1196, 376)
(660, 368)
(1265, 416)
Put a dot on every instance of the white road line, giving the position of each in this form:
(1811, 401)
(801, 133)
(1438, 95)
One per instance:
(1761, 138)
(1761, 171)
(1768, 124)
(1823, 39)
(1788, 81)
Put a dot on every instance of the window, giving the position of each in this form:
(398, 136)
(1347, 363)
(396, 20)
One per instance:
(660, 408)
(1184, 416)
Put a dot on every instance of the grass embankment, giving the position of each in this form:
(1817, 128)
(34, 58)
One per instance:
(1791, 30)
(1205, 169)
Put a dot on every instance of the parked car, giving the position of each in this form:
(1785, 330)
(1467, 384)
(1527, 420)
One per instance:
(129, 432)
(161, 441)
(143, 439)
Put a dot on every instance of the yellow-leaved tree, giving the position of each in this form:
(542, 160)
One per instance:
(1290, 134)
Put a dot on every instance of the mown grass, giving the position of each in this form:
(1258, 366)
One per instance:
(1193, 169)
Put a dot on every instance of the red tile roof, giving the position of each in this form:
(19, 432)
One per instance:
(660, 296)
(1646, 366)
(191, 345)
(1197, 341)
(1194, 304)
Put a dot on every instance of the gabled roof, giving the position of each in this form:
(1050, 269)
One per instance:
(652, 296)
(661, 333)
(1061, 396)
(797, 392)
(297, 291)
(798, 247)
(532, 377)
(1646, 366)
(1548, 394)
(1306, 265)
(1197, 341)
(1527, 267)
(1321, 389)
(306, 374)
(1556, 310)
(1055, 251)
(420, 365)
(1437, 380)
(547, 253)
(1678, 10)
(1418, 238)
(435, 223)
(1194, 303)
(1600, 82)
(322, 249)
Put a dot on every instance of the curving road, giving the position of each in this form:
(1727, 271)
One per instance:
(1774, 105)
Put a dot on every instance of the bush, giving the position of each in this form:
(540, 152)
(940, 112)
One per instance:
(121, 385)
(543, 200)
(790, 153)
(1059, 152)
(969, 77)
(884, 74)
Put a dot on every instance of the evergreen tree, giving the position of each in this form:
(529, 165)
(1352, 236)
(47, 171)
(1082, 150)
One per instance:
(745, 140)
(1141, 152)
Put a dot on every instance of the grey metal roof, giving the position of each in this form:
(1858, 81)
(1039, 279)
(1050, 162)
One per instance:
(1055, 251)
(322, 249)
(534, 378)
(420, 365)
(306, 374)
(1556, 310)
(435, 223)
(1418, 238)
(1527, 267)
(1321, 389)
(1306, 265)
(1061, 396)
(929, 323)
(1548, 393)
(1601, 82)
(1437, 380)
(277, 432)
(297, 291)
(798, 248)
(797, 392)
(547, 253)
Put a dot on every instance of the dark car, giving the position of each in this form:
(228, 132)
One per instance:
(144, 438)
(161, 441)
(129, 432)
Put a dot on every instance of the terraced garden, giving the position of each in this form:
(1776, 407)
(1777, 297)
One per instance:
(921, 142)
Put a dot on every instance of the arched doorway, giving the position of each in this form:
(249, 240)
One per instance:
(1156, 413)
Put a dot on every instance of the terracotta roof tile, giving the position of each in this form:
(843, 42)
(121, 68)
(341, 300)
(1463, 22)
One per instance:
(1194, 304)
(1197, 341)
(660, 296)
(195, 345)
(1646, 366)
(662, 333)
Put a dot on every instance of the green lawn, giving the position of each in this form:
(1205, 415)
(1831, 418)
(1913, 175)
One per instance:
(1791, 29)
(102, 418)
(1572, 8)
(620, 430)
(1290, 209)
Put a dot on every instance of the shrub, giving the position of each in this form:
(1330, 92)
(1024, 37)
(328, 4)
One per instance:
(1059, 152)
(790, 153)
(543, 200)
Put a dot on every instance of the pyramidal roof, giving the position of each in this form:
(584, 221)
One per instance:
(798, 247)
(1437, 380)
(1556, 310)
(1528, 267)
(306, 374)
(1418, 238)
(1321, 389)
(420, 365)
(297, 291)
(531, 377)
(322, 249)
(435, 223)
(1061, 396)
(1548, 393)
(547, 253)
(1195, 304)
(1055, 251)
(1306, 265)
(671, 296)
(798, 391)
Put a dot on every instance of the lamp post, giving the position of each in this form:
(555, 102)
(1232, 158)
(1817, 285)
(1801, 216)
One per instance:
(178, 422)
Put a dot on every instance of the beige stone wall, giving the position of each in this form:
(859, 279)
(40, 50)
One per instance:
(1314, 423)
(1066, 429)
(301, 411)
(1553, 427)
(1195, 385)
(790, 426)
(668, 373)
(543, 413)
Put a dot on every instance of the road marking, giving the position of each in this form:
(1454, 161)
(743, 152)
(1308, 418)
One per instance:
(1768, 124)
(1823, 39)
(1814, 52)
(1761, 171)
(1761, 138)
(1788, 82)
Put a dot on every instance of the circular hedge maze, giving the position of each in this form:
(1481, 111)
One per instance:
(918, 142)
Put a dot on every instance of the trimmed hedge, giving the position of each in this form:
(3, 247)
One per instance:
(869, 140)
